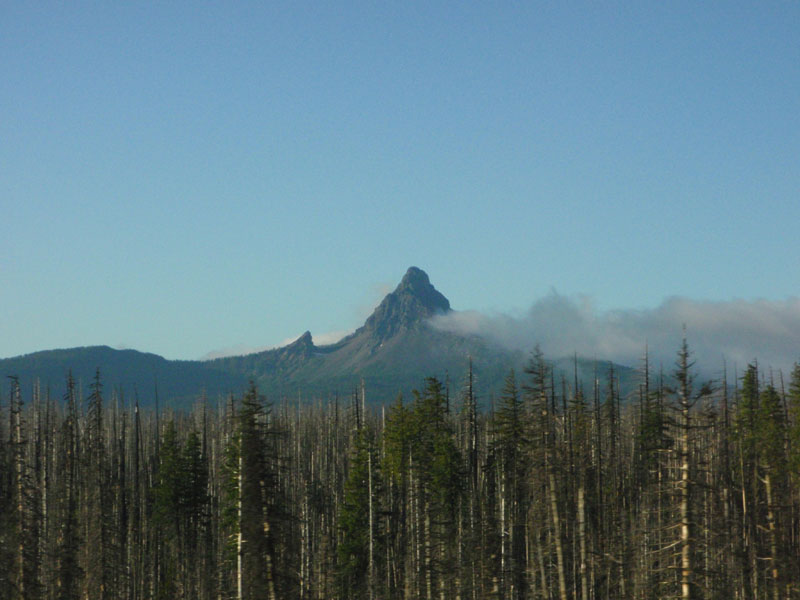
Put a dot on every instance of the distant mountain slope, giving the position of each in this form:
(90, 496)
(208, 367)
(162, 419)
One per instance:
(392, 353)
(178, 382)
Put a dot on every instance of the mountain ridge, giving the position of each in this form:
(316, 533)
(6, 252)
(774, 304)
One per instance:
(391, 353)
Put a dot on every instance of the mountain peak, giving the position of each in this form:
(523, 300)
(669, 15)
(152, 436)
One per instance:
(303, 340)
(415, 283)
(301, 348)
(412, 301)
(415, 276)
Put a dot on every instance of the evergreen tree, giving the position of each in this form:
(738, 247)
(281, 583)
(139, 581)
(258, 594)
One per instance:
(357, 533)
(770, 449)
(398, 433)
(69, 574)
(167, 509)
(794, 422)
(514, 501)
(264, 513)
(686, 397)
(99, 581)
(437, 466)
(509, 442)
(745, 434)
(230, 517)
(193, 511)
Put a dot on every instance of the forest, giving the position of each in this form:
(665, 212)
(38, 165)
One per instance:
(548, 491)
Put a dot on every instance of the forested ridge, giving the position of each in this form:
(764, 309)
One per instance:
(548, 491)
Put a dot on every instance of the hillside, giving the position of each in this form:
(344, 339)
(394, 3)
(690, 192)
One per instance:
(129, 371)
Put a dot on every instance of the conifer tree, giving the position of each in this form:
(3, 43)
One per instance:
(509, 442)
(69, 572)
(398, 435)
(99, 581)
(264, 515)
(194, 511)
(357, 532)
(770, 449)
(686, 397)
(746, 476)
(230, 517)
(167, 509)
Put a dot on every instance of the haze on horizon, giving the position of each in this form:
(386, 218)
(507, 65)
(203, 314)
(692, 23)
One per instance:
(181, 178)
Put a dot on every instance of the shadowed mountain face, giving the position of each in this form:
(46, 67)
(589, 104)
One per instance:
(411, 303)
(392, 353)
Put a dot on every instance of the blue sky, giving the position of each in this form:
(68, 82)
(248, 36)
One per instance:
(183, 177)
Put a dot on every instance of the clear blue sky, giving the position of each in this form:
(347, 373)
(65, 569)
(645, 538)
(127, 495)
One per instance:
(179, 177)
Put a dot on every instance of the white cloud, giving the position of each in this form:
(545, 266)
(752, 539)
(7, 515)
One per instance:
(738, 330)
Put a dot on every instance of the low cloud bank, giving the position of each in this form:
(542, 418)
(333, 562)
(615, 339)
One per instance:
(737, 331)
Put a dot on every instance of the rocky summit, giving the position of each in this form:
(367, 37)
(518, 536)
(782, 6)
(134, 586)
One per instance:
(412, 302)
(392, 352)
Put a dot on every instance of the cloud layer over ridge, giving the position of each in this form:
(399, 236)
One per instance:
(737, 330)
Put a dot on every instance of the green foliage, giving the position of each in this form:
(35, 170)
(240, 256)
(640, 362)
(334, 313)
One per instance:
(508, 424)
(422, 438)
(99, 578)
(353, 519)
(392, 515)
(581, 422)
(422, 459)
(193, 484)
(267, 549)
(747, 411)
(771, 430)
(509, 436)
(229, 502)
(179, 493)
(433, 450)
(794, 421)
(535, 394)
(70, 572)
(653, 435)
(398, 435)
(256, 481)
(167, 490)
(179, 500)
(760, 423)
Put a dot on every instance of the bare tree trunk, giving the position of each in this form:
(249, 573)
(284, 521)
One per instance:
(582, 542)
(685, 514)
(503, 539)
(773, 538)
(19, 472)
(371, 582)
(427, 557)
(270, 567)
(542, 573)
(239, 547)
(414, 566)
(562, 582)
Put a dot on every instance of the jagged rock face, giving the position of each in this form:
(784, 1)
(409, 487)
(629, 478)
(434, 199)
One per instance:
(413, 301)
(299, 350)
